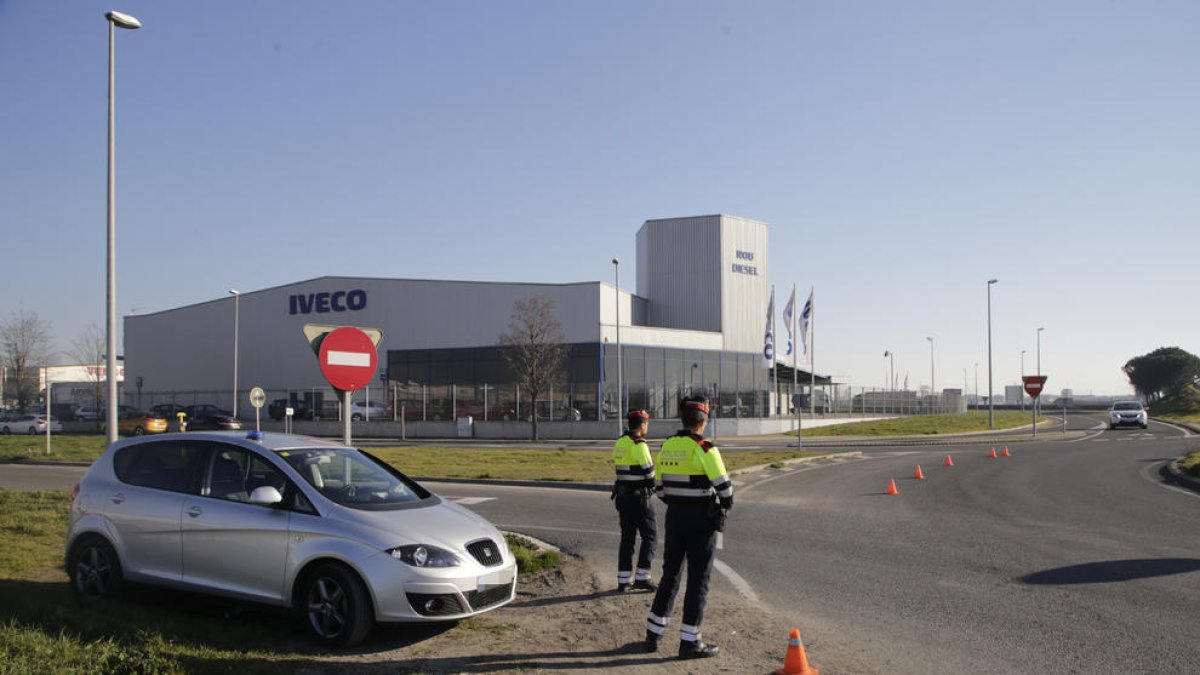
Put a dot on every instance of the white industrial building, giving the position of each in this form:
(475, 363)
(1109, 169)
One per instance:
(696, 323)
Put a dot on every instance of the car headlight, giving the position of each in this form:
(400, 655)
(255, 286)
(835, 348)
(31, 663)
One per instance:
(424, 555)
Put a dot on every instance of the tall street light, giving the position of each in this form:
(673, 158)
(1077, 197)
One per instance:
(932, 385)
(115, 20)
(891, 357)
(1037, 406)
(236, 311)
(991, 410)
(1023, 379)
(620, 371)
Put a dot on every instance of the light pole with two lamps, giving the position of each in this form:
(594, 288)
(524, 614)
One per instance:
(236, 311)
(620, 379)
(991, 410)
(932, 385)
(1023, 379)
(115, 20)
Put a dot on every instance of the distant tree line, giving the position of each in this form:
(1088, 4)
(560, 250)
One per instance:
(1163, 373)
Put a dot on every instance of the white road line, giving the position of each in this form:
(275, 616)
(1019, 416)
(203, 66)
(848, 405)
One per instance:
(810, 466)
(467, 501)
(1157, 467)
(720, 541)
(743, 587)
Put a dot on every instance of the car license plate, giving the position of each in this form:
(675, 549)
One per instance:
(497, 578)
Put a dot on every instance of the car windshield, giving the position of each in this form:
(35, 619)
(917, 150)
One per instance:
(1130, 405)
(353, 478)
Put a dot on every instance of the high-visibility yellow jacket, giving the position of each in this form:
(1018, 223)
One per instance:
(634, 467)
(690, 469)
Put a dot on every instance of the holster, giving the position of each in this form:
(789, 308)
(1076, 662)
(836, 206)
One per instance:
(718, 516)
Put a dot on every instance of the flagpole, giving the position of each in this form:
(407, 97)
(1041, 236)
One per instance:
(812, 362)
(795, 375)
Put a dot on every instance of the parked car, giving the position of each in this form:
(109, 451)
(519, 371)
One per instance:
(88, 413)
(559, 411)
(137, 423)
(29, 424)
(361, 410)
(167, 410)
(1127, 413)
(207, 416)
(331, 531)
(277, 409)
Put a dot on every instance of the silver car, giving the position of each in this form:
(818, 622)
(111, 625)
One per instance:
(283, 520)
(1126, 413)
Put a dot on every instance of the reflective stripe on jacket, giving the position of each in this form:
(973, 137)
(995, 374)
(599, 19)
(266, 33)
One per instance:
(690, 469)
(634, 466)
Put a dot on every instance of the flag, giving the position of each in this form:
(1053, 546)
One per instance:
(768, 352)
(806, 327)
(789, 312)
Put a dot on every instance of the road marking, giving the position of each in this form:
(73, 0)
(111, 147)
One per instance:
(467, 501)
(1161, 483)
(743, 587)
(555, 529)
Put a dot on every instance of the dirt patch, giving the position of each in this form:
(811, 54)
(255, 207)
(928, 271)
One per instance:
(567, 620)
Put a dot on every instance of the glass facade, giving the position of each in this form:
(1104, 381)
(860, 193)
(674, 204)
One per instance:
(441, 384)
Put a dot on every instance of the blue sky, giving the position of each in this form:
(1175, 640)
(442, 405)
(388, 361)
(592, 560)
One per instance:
(902, 153)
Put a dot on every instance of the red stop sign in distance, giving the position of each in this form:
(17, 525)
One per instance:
(347, 358)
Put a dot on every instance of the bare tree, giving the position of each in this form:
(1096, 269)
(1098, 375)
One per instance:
(88, 350)
(24, 346)
(536, 352)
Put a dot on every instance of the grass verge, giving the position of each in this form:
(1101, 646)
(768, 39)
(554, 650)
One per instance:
(927, 425)
(1182, 408)
(1191, 464)
(531, 558)
(63, 448)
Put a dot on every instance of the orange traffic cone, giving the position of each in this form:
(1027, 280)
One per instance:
(1006, 452)
(891, 489)
(796, 661)
(948, 462)
(919, 475)
(992, 454)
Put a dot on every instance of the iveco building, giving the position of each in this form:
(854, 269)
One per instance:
(695, 324)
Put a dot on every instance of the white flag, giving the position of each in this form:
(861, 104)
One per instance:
(806, 327)
(768, 352)
(789, 311)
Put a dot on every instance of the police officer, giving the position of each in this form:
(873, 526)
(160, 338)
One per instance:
(632, 492)
(693, 483)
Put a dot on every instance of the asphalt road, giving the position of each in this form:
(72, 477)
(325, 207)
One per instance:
(1066, 557)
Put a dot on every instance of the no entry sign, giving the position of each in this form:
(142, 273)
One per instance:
(347, 358)
(1034, 384)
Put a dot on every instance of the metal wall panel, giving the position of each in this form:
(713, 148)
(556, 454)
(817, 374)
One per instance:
(745, 287)
(678, 272)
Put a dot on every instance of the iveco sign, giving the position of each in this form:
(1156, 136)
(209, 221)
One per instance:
(323, 303)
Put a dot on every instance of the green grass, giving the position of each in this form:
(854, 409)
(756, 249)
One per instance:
(63, 448)
(927, 425)
(1190, 464)
(530, 557)
(1182, 408)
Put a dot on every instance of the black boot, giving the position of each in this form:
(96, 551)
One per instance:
(697, 650)
(651, 642)
(621, 588)
(645, 585)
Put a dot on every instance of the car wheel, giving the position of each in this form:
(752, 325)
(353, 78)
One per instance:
(1112, 427)
(94, 569)
(1143, 426)
(336, 605)
(138, 431)
(6, 431)
(356, 417)
(32, 431)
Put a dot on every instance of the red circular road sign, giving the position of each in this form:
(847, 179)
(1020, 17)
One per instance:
(347, 358)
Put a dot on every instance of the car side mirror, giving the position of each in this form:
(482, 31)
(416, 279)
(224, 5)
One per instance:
(265, 496)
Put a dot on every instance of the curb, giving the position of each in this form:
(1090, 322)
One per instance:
(1174, 474)
(795, 460)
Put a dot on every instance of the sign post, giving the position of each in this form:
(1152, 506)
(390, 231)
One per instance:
(1033, 386)
(257, 398)
(347, 356)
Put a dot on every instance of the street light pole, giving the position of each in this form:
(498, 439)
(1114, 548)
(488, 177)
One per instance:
(236, 311)
(115, 20)
(891, 356)
(1023, 380)
(932, 385)
(991, 409)
(620, 374)
(1037, 405)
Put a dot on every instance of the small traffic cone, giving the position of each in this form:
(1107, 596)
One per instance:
(948, 462)
(918, 474)
(796, 661)
(992, 454)
(1006, 452)
(892, 489)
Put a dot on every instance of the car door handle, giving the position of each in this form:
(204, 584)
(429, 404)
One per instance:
(118, 498)
(195, 511)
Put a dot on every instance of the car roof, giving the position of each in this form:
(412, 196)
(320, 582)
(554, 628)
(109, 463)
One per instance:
(267, 440)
